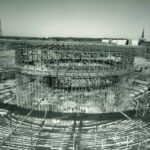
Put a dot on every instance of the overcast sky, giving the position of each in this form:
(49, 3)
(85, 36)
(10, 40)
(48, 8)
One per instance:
(75, 18)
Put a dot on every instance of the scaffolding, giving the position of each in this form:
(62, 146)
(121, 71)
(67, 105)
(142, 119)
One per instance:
(71, 79)
(77, 73)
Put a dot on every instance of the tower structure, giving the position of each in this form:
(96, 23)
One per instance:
(142, 39)
(142, 36)
(0, 29)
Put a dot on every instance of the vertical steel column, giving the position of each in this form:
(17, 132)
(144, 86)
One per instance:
(137, 105)
(19, 80)
(95, 138)
(31, 133)
(144, 105)
(22, 139)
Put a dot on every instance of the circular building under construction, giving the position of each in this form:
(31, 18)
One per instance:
(75, 95)
(74, 77)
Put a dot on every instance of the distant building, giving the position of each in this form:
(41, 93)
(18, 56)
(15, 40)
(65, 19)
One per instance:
(135, 42)
(115, 41)
(105, 40)
(121, 42)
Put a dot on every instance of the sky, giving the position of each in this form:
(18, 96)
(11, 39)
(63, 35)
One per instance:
(75, 18)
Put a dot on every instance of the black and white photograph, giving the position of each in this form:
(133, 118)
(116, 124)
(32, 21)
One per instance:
(74, 74)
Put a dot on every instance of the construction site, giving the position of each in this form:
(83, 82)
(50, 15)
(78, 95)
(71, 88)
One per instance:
(74, 94)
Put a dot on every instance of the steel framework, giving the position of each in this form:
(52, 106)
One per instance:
(74, 78)
(76, 75)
